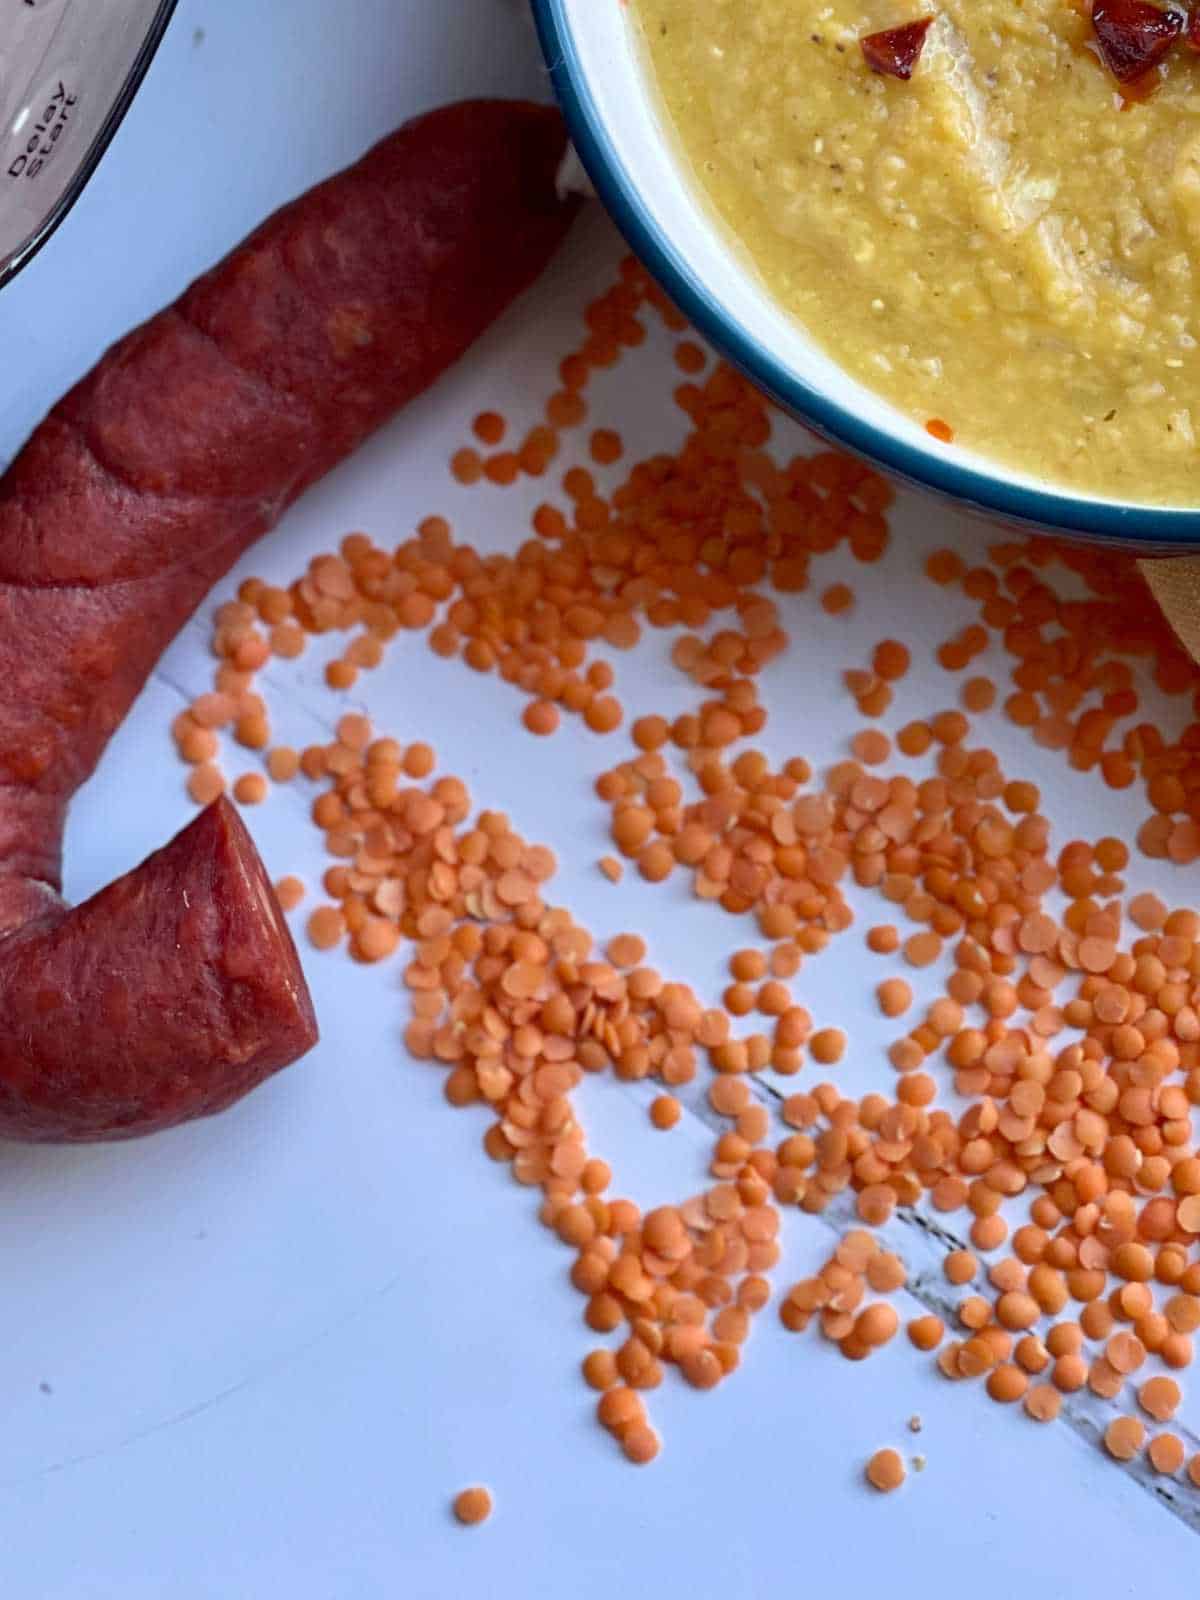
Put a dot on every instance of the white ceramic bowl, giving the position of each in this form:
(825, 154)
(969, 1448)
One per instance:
(596, 63)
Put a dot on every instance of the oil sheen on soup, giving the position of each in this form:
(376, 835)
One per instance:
(1006, 240)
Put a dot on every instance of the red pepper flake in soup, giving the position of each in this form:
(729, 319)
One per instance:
(1133, 36)
(940, 430)
(896, 51)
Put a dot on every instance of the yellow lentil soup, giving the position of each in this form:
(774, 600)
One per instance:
(1001, 243)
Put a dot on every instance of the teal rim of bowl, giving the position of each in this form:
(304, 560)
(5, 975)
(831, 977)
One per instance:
(1162, 528)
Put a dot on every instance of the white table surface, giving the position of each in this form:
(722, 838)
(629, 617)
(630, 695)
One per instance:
(256, 1357)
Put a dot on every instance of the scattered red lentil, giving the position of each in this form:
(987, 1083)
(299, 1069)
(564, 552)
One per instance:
(1160, 1398)
(600, 1369)
(895, 997)
(827, 1046)
(1042, 1403)
(283, 764)
(1123, 1438)
(922, 949)
(326, 927)
(665, 1112)
(541, 717)
(250, 789)
(1166, 1453)
(1075, 1048)
(960, 1266)
(489, 427)
(885, 1471)
(472, 1506)
(206, 784)
(871, 747)
(290, 892)
(466, 466)
(926, 1332)
(640, 1444)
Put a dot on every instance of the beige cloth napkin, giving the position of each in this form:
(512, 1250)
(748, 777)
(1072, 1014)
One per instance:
(1175, 584)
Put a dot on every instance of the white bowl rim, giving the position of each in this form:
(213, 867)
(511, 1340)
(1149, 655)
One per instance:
(1162, 530)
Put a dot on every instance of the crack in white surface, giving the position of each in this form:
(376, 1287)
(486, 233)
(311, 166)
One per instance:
(923, 1242)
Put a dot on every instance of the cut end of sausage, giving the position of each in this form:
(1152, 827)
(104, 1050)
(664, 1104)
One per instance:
(265, 1000)
(167, 996)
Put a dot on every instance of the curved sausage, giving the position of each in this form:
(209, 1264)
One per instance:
(178, 988)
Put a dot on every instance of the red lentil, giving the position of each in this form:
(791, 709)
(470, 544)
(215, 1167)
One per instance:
(1091, 1130)
(885, 1471)
(472, 1506)
(665, 1111)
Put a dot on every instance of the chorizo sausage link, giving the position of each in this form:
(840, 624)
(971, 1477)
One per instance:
(178, 988)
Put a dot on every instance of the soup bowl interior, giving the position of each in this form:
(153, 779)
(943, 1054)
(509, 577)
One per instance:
(596, 60)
